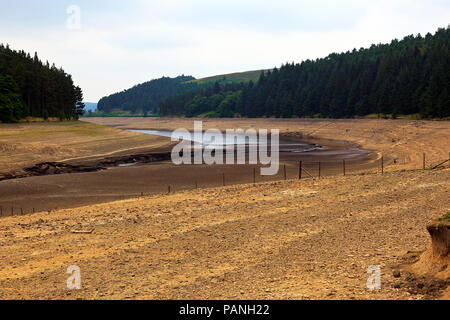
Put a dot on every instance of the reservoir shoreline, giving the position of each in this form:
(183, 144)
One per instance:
(129, 174)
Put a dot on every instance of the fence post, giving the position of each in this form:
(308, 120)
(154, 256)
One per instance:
(424, 161)
(343, 166)
(300, 170)
(382, 164)
(285, 175)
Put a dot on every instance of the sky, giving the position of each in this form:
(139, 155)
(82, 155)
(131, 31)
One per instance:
(111, 45)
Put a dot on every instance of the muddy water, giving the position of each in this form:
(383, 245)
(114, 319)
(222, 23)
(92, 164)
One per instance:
(241, 139)
(290, 149)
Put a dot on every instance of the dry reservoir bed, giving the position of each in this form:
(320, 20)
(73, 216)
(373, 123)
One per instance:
(311, 239)
(82, 146)
(276, 240)
(95, 178)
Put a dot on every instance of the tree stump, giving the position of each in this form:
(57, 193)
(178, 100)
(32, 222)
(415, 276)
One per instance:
(440, 237)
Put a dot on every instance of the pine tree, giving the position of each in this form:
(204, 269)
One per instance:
(79, 105)
(11, 107)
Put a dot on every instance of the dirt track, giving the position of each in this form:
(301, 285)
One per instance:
(281, 240)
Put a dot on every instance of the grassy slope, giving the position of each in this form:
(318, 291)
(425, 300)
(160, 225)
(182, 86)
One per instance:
(231, 77)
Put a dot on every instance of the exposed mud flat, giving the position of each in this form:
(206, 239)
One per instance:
(311, 239)
(117, 182)
(48, 168)
(52, 168)
(401, 142)
(125, 174)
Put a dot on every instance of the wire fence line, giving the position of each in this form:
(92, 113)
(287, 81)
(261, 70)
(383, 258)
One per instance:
(303, 170)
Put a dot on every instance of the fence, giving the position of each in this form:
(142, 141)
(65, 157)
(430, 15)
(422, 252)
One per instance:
(303, 170)
(315, 171)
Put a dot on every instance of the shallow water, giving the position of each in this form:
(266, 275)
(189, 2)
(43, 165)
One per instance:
(128, 164)
(227, 141)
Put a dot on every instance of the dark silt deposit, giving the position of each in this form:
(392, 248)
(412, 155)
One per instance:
(52, 168)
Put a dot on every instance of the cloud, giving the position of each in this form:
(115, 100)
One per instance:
(122, 43)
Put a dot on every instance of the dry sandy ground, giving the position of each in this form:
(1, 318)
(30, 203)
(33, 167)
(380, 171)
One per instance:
(402, 142)
(312, 239)
(275, 240)
(25, 144)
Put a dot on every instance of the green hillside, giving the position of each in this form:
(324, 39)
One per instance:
(405, 77)
(144, 98)
(236, 77)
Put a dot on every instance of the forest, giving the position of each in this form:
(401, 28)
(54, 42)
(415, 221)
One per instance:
(408, 76)
(146, 96)
(31, 88)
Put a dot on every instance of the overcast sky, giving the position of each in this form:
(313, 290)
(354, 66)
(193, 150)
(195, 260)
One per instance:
(121, 43)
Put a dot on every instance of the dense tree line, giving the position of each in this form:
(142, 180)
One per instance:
(146, 96)
(217, 100)
(28, 87)
(404, 77)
